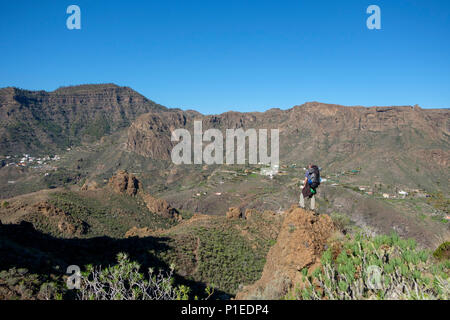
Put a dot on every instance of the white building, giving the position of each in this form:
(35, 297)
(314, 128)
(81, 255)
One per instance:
(403, 193)
(269, 171)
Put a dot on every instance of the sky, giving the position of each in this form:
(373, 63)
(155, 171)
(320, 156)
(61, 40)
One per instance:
(215, 56)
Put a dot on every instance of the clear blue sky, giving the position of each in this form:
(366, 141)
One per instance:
(214, 56)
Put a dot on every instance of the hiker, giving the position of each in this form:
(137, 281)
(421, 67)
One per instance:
(310, 184)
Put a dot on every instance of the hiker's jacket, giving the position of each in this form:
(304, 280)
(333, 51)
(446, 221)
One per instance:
(308, 175)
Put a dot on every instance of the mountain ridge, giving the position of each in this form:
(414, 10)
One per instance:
(32, 121)
(411, 139)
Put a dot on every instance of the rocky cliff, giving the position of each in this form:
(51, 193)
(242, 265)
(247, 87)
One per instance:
(333, 127)
(37, 121)
(300, 243)
(405, 144)
(401, 142)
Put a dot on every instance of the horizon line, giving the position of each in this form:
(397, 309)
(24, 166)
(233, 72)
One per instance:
(112, 84)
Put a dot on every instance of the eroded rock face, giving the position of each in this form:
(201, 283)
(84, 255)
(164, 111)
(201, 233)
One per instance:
(348, 127)
(234, 213)
(301, 241)
(124, 182)
(89, 185)
(251, 213)
(319, 130)
(160, 206)
(86, 111)
(150, 135)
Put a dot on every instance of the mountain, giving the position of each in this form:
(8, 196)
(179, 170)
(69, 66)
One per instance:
(366, 153)
(113, 188)
(404, 144)
(40, 121)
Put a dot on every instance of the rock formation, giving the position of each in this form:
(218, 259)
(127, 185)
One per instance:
(234, 213)
(126, 183)
(251, 213)
(300, 243)
(89, 185)
(160, 207)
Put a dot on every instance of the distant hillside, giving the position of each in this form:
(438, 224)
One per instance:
(395, 145)
(398, 146)
(40, 121)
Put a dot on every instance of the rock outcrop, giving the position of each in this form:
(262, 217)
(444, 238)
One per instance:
(150, 135)
(89, 185)
(300, 243)
(124, 182)
(234, 213)
(161, 207)
(251, 213)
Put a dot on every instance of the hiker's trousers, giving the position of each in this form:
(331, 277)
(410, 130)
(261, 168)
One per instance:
(302, 201)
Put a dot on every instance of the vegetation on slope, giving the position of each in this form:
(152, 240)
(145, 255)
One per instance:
(223, 253)
(108, 214)
(381, 267)
(123, 281)
(212, 251)
(226, 259)
(19, 283)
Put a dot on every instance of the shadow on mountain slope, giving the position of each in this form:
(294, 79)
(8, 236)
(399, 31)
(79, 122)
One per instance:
(22, 246)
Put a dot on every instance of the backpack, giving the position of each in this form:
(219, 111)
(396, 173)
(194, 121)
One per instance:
(315, 177)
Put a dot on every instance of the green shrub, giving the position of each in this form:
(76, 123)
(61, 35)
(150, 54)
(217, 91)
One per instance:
(112, 215)
(341, 221)
(21, 284)
(123, 281)
(227, 260)
(443, 251)
(439, 201)
(382, 267)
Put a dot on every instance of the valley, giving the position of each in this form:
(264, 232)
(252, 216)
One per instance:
(86, 173)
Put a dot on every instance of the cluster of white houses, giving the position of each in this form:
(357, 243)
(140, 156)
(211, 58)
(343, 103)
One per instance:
(27, 160)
